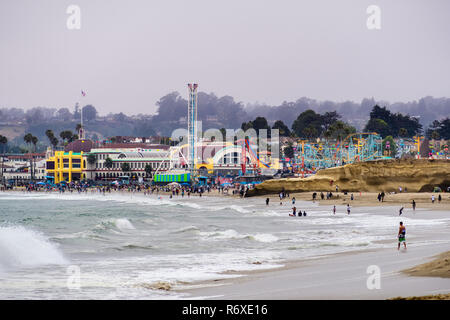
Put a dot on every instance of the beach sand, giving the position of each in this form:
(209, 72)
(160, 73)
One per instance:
(345, 275)
(439, 267)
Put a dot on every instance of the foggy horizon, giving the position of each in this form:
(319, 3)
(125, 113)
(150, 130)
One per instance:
(127, 55)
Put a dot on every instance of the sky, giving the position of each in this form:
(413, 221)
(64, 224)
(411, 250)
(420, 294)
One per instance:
(128, 54)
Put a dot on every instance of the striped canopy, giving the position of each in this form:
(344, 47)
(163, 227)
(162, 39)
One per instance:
(186, 177)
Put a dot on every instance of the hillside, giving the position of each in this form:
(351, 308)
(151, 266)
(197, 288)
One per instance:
(372, 176)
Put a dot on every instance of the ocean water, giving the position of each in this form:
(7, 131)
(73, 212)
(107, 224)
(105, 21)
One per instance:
(119, 246)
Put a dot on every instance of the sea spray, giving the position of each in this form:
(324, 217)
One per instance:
(21, 247)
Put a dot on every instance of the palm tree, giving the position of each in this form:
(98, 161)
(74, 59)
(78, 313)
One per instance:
(125, 167)
(3, 142)
(34, 141)
(51, 137)
(148, 170)
(66, 135)
(108, 163)
(28, 138)
(91, 159)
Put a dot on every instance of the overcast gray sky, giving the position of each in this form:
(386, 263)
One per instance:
(128, 54)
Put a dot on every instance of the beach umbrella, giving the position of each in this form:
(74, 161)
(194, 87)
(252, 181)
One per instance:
(174, 184)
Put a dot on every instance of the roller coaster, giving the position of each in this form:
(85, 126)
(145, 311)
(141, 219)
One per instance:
(356, 147)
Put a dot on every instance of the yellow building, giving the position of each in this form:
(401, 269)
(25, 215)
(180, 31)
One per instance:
(66, 166)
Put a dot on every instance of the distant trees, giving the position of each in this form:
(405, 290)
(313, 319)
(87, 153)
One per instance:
(64, 114)
(283, 129)
(339, 130)
(119, 117)
(385, 123)
(289, 151)
(28, 138)
(309, 124)
(68, 136)
(379, 126)
(257, 124)
(439, 129)
(89, 112)
(51, 138)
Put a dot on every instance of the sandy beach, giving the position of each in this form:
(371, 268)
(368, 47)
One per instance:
(345, 275)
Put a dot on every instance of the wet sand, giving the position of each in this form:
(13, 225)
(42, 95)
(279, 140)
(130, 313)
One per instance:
(345, 275)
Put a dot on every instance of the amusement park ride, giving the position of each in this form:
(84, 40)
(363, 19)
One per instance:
(357, 147)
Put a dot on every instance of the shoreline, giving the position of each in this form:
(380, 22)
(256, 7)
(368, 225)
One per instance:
(258, 284)
(369, 199)
(314, 279)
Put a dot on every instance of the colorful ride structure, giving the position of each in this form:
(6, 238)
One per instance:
(357, 147)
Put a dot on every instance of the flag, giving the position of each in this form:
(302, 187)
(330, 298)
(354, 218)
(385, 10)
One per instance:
(83, 93)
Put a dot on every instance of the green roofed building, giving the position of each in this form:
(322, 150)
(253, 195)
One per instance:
(184, 177)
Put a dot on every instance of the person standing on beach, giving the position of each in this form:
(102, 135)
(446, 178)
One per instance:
(293, 200)
(348, 209)
(294, 212)
(401, 235)
(432, 198)
(334, 209)
(414, 205)
(267, 201)
(439, 198)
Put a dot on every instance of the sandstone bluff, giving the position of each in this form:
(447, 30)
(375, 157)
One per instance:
(418, 175)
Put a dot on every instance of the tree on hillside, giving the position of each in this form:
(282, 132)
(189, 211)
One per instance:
(403, 133)
(64, 114)
(339, 130)
(308, 124)
(89, 112)
(442, 129)
(282, 128)
(385, 123)
(329, 118)
(379, 126)
(257, 124)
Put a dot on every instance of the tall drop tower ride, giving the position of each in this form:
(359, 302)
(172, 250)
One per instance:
(192, 125)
